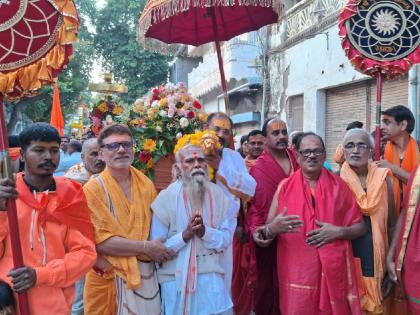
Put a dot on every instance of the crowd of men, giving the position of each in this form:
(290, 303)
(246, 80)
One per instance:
(275, 231)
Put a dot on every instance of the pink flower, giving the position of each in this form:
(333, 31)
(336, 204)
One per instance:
(144, 156)
(171, 112)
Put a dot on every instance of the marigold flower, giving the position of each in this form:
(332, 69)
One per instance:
(150, 164)
(149, 145)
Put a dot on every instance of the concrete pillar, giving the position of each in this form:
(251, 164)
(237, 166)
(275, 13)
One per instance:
(414, 97)
(314, 111)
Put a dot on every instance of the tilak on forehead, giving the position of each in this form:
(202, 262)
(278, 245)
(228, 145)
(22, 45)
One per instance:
(221, 122)
(192, 150)
(277, 124)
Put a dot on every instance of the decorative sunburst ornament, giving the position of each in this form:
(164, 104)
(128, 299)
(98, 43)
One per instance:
(385, 22)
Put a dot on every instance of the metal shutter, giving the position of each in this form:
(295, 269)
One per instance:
(344, 105)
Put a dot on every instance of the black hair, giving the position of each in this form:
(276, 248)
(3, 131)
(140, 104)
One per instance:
(296, 137)
(354, 125)
(13, 141)
(265, 126)
(244, 139)
(116, 129)
(401, 113)
(38, 132)
(75, 145)
(217, 114)
(308, 134)
(254, 133)
(6, 296)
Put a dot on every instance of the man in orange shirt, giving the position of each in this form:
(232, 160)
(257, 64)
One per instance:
(55, 230)
(401, 152)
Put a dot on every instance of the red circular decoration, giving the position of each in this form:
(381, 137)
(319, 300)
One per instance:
(36, 38)
(27, 35)
(370, 66)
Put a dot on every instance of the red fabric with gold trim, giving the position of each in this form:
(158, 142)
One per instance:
(35, 43)
(378, 24)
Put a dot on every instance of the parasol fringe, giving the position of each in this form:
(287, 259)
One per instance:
(154, 14)
(26, 81)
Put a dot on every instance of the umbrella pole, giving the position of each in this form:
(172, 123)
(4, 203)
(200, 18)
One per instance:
(6, 171)
(222, 73)
(378, 117)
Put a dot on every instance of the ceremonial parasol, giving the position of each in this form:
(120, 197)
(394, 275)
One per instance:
(195, 23)
(381, 39)
(35, 45)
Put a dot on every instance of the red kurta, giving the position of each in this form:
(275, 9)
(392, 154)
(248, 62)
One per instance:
(262, 268)
(408, 250)
(317, 281)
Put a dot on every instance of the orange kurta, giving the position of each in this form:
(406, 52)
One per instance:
(409, 162)
(372, 203)
(68, 253)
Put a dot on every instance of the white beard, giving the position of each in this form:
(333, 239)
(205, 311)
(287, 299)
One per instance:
(196, 187)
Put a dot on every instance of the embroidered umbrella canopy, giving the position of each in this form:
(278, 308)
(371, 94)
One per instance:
(193, 22)
(381, 39)
(36, 39)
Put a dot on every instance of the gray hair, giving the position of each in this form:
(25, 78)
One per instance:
(87, 143)
(360, 131)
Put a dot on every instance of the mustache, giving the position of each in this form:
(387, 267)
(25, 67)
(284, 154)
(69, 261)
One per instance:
(47, 164)
(198, 172)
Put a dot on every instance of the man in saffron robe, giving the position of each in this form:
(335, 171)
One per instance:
(191, 215)
(231, 175)
(401, 151)
(373, 191)
(403, 259)
(275, 164)
(119, 200)
(314, 216)
(54, 225)
(256, 145)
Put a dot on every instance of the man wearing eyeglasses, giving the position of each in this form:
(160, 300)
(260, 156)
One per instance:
(231, 175)
(120, 199)
(276, 163)
(373, 191)
(314, 216)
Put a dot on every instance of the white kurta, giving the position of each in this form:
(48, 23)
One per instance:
(211, 296)
(235, 180)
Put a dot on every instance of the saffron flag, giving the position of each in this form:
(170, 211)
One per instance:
(56, 115)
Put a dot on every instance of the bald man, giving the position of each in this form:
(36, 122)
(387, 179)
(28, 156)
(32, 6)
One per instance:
(91, 164)
(81, 173)
(276, 163)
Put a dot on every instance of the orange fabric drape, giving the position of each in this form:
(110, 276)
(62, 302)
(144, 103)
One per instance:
(373, 203)
(410, 161)
(57, 120)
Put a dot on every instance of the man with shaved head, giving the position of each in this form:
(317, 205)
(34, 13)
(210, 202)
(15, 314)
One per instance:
(276, 163)
(372, 188)
(192, 215)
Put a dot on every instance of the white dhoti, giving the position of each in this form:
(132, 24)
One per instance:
(146, 298)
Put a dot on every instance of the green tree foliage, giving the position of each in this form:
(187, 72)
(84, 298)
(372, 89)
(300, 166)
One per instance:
(73, 81)
(116, 41)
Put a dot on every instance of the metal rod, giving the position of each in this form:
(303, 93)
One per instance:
(11, 209)
(378, 117)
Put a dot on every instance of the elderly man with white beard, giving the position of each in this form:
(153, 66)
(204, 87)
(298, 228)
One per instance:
(191, 215)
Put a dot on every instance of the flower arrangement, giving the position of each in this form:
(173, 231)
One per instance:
(104, 109)
(157, 121)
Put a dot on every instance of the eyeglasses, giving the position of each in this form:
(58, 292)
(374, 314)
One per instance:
(360, 146)
(115, 146)
(307, 153)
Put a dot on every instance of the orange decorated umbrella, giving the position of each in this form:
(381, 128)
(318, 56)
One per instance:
(197, 22)
(56, 115)
(36, 38)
